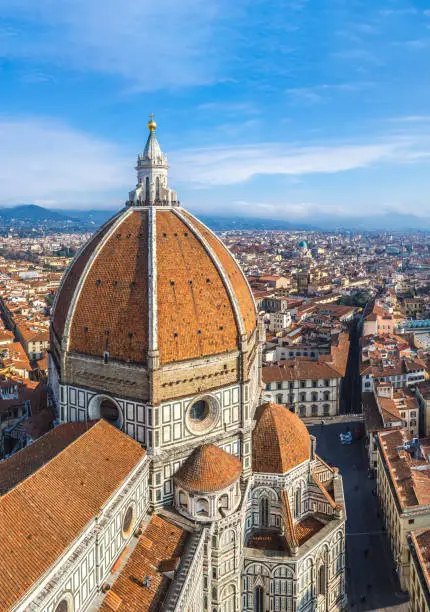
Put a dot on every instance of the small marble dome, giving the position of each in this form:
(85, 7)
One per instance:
(280, 440)
(208, 469)
(207, 484)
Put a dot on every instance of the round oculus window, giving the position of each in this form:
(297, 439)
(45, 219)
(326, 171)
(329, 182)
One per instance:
(202, 415)
(109, 411)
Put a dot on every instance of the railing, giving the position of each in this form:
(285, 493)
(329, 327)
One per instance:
(146, 203)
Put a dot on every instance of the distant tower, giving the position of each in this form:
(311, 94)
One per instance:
(152, 187)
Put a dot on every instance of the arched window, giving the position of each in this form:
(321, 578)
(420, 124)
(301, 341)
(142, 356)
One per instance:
(183, 499)
(279, 398)
(326, 395)
(321, 580)
(147, 194)
(314, 410)
(302, 410)
(223, 502)
(314, 397)
(258, 599)
(326, 408)
(298, 503)
(264, 512)
(202, 507)
(157, 188)
(63, 606)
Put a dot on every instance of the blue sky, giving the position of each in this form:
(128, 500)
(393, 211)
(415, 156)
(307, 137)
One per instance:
(275, 108)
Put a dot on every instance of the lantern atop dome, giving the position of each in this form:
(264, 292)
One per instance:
(152, 186)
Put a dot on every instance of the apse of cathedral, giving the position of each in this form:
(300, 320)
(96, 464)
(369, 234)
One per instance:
(166, 484)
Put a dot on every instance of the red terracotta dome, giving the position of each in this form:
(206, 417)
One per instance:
(280, 440)
(153, 279)
(208, 469)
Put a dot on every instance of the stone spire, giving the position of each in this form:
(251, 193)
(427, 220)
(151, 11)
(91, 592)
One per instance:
(152, 187)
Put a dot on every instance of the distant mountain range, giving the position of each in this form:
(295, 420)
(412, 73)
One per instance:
(31, 213)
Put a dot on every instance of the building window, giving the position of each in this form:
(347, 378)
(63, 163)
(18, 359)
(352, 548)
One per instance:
(302, 411)
(326, 383)
(321, 580)
(109, 411)
(298, 503)
(326, 396)
(264, 512)
(202, 507)
(314, 410)
(202, 415)
(302, 384)
(302, 397)
(127, 524)
(279, 385)
(63, 606)
(314, 383)
(279, 398)
(259, 599)
(314, 397)
(223, 502)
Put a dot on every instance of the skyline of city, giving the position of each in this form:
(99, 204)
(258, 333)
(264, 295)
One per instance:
(289, 111)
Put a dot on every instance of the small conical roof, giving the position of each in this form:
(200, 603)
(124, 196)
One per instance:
(152, 148)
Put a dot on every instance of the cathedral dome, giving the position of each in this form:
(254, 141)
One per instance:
(280, 440)
(153, 281)
(208, 469)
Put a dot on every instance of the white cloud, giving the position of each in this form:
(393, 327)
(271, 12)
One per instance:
(47, 161)
(320, 93)
(166, 43)
(235, 164)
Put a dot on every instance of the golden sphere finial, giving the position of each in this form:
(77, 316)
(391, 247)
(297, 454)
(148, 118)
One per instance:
(151, 123)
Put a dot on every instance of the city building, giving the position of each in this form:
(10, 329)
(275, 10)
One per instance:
(403, 488)
(168, 484)
(309, 381)
(419, 578)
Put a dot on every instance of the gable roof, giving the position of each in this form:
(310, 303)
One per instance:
(42, 515)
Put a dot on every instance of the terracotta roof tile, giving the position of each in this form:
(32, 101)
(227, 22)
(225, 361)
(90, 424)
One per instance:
(208, 468)
(306, 528)
(111, 313)
(72, 276)
(195, 313)
(161, 545)
(42, 515)
(280, 440)
(235, 274)
(195, 316)
(28, 460)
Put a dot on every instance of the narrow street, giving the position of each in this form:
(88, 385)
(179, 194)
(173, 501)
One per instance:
(372, 581)
(350, 401)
